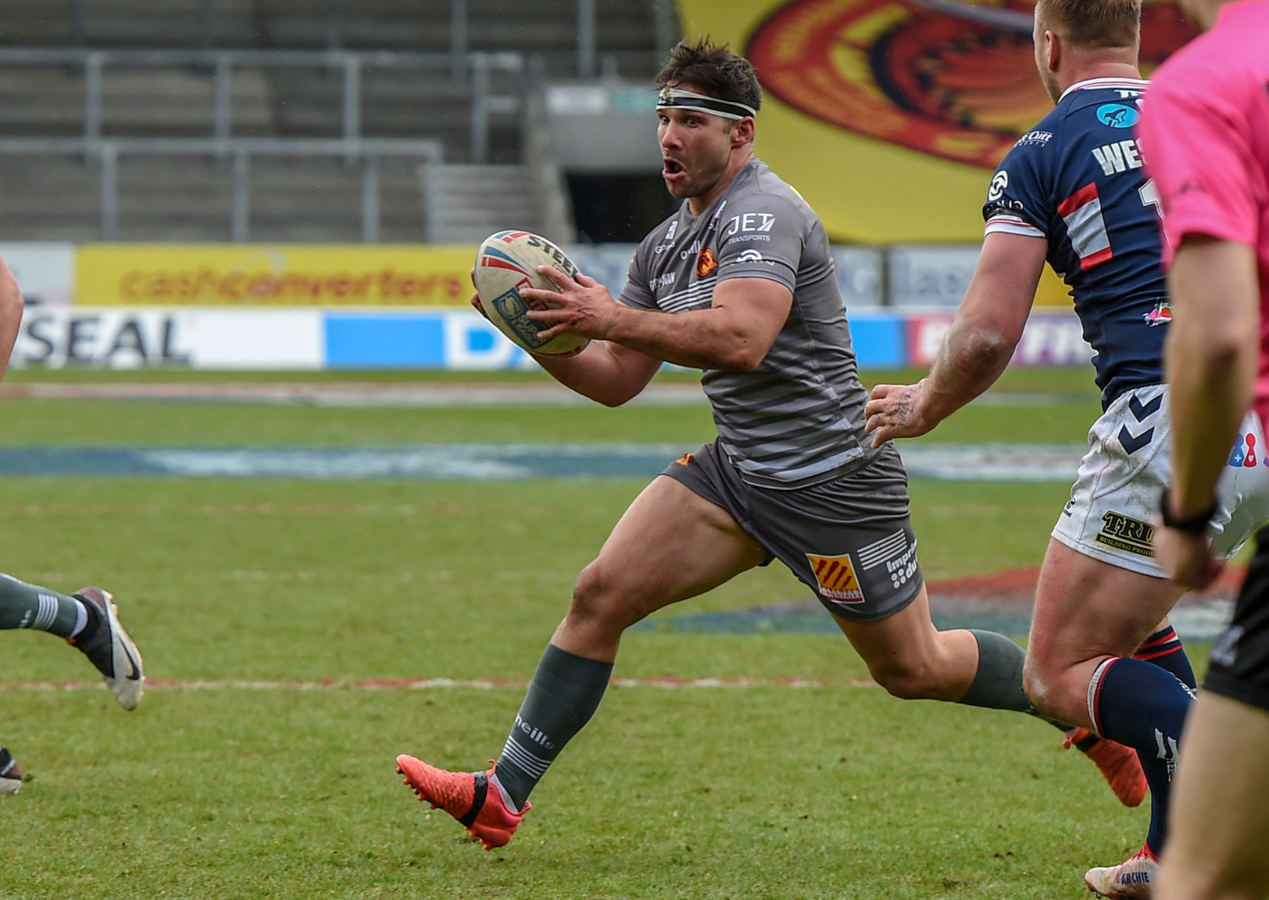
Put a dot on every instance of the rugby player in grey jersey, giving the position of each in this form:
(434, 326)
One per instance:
(739, 283)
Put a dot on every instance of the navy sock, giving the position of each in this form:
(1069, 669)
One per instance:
(564, 694)
(1164, 649)
(1143, 706)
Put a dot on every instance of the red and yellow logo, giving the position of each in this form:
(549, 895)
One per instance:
(836, 576)
(705, 263)
(952, 78)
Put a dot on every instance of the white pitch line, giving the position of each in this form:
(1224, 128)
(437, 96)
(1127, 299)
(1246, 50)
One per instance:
(430, 684)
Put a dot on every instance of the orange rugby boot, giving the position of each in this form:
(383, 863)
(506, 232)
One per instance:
(467, 797)
(1119, 764)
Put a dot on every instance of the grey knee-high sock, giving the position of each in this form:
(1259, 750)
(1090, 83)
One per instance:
(998, 682)
(25, 605)
(564, 694)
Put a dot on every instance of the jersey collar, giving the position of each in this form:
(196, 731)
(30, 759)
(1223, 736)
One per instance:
(1130, 83)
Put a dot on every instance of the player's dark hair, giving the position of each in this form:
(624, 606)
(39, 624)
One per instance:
(1092, 23)
(715, 71)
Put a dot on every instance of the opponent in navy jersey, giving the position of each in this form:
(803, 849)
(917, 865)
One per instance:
(1077, 180)
(1071, 192)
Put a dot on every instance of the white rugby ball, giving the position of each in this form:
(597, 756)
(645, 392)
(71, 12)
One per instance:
(507, 262)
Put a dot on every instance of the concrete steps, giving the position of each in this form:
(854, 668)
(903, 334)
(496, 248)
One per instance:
(175, 198)
(476, 201)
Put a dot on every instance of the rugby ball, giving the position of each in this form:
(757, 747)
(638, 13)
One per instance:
(506, 263)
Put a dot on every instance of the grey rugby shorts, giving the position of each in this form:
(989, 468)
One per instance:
(848, 539)
(1240, 658)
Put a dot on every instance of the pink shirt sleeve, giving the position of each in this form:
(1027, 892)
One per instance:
(1197, 152)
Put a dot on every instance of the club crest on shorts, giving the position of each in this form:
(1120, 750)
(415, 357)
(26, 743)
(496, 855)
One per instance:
(836, 577)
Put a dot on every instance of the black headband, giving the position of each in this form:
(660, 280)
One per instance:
(675, 98)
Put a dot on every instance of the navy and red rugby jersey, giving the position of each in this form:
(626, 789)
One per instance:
(1077, 180)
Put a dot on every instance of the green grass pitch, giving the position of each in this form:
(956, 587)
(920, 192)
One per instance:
(265, 789)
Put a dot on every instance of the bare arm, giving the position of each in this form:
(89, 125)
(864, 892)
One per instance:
(10, 314)
(1211, 355)
(734, 334)
(979, 346)
(605, 372)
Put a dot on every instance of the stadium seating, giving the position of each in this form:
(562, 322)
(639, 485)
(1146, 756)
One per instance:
(58, 195)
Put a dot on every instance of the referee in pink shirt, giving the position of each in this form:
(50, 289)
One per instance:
(1205, 137)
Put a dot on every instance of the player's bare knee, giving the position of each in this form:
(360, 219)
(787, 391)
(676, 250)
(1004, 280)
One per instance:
(596, 600)
(1044, 686)
(907, 681)
(1034, 684)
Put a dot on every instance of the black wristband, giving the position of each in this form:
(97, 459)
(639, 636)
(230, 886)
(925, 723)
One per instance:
(1195, 524)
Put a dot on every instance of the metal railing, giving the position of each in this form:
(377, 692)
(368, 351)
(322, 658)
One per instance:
(550, 193)
(459, 26)
(369, 152)
(485, 103)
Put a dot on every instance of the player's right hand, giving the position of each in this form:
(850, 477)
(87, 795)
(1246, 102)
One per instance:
(1187, 558)
(895, 411)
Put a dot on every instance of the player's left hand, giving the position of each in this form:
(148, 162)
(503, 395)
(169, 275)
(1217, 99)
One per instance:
(582, 306)
(475, 297)
(1187, 558)
(896, 411)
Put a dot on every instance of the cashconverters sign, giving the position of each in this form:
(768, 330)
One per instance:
(282, 275)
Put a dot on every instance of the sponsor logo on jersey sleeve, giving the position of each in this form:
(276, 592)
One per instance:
(836, 577)
(1120, 532)
(750, 256)
(999, 182)
(750, 222)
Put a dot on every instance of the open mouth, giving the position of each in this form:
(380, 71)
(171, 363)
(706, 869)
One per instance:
(672, 167)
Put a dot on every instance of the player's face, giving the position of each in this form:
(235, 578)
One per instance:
(695, 150)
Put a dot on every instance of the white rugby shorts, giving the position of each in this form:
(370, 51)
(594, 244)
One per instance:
(1115, 499)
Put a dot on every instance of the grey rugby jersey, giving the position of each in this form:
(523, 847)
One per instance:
(797, 419)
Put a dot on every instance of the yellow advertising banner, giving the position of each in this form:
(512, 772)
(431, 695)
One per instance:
(273, 275)
(889, 116)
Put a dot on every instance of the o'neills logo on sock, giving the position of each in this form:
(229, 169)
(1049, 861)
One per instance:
(836, 577)
(534, 734)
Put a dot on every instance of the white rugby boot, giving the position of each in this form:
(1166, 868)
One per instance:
(1132, 879)
(108, 646)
